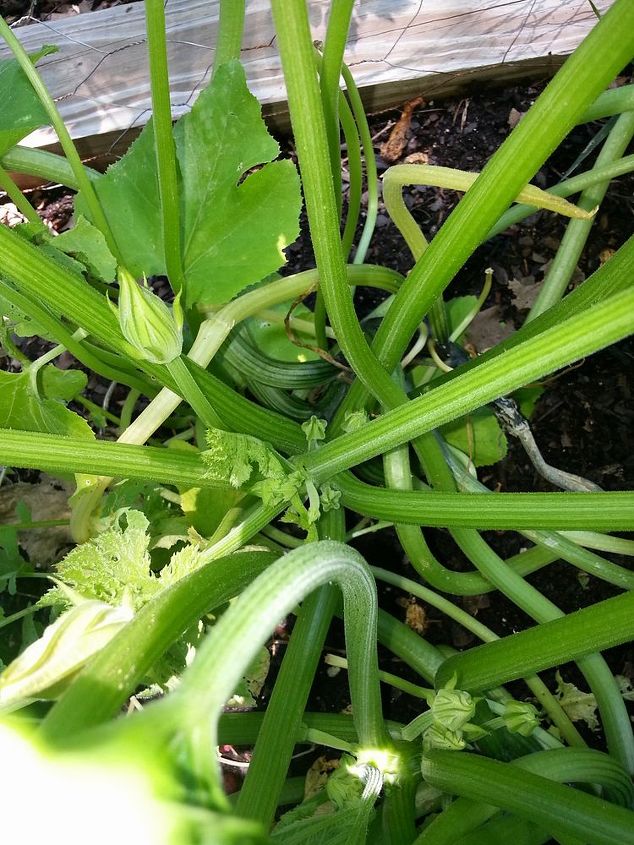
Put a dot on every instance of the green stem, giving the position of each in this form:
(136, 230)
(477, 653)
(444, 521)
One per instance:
(309, 129)
(585, 74)
(19, 200)
(330, 73)
(70, 151)
(57, 329)
(358, 111)
(577, 231)
(578, 336)
(276, 740)
(603, 625)
(20, 614)
(565, 189)
(164, 140)
(192, 393)
(51, 453)
(230, 30)
(355, 172)
(272, 754)
(48, 166)
(560, 809)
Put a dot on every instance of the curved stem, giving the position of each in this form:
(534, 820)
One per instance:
(370, 164)
(564, 264)
(330, 72)
(165, 151)
(234, 641)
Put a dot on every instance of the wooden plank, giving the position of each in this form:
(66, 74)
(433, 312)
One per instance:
(396, 48)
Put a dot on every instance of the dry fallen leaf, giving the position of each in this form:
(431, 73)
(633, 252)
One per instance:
(524, 295)
(45, 500)
(392, 149)
(416, 617)
(417, 158)
(514, 118)
(488, 328)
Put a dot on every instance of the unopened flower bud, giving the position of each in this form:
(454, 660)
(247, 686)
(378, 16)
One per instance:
(147, 323)
(438, 736)
(453, 708)
(520, 717)
(63, 649)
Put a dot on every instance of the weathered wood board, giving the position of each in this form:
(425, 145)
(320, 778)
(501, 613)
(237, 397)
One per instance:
(397, 48)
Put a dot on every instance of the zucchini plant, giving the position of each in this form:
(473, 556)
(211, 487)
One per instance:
(258, 436)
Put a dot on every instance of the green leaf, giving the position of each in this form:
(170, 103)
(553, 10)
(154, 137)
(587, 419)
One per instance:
(235, 226)
(87, 244)
(113, 567)
(20, 108)
(129, 195)
(479, 436)
(63, 385)
(234, 233)
(22, 408)
(17, 321)
(271, 338)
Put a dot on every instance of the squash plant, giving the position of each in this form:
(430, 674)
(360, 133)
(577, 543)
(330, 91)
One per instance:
(222, 506)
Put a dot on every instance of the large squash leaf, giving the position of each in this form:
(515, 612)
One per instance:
(234, 225)
(234, 231)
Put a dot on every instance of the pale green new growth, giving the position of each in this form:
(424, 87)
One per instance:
(232, 457)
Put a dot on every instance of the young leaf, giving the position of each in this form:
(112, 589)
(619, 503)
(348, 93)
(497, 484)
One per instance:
(22, 408)
(235, 228)
(20, 108)
(232, 457)
(114, 567)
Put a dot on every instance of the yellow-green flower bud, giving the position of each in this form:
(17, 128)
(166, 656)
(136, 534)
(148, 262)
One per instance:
(147, 323)
(520, 717)
(63, 649)
(453, 708)
(438, 736)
